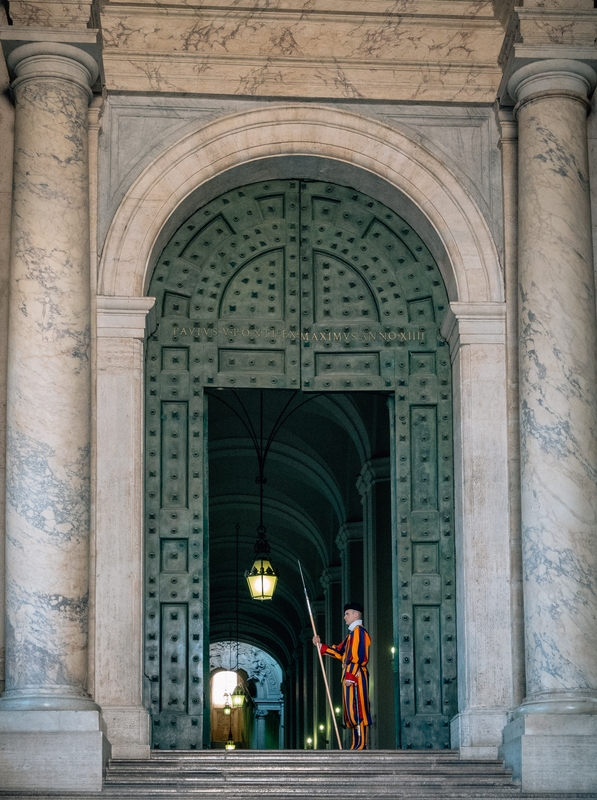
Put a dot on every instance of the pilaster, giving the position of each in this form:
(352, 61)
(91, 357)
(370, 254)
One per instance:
(349, 542)
(509, 149)
(122, 324)
(476, 335)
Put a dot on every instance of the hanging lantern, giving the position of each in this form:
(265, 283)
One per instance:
(227, 707)
(230, 743)
(262, 578)
(238, 697)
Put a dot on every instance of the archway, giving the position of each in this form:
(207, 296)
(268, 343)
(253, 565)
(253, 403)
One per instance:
(345, 145)
(287, 285)
(259, 724)
(432, 199)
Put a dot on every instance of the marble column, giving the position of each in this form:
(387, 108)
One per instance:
(558, 428)
(48, 426)
(6, 152)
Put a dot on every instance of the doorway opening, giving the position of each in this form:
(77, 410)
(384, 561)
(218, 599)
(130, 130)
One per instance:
(259, 723)
(327, 503)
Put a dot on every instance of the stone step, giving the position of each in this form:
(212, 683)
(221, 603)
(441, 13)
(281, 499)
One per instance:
(305, 775)
(421, 792)
(306, 769)
(294, 775)
(291, 782)
(309, 765)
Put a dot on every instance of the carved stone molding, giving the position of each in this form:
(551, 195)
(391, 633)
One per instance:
(434, 51)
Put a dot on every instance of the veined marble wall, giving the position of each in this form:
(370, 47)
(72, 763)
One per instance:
(6, 137)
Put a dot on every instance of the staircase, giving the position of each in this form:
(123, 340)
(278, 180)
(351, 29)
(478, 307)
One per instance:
(302, 775)
(325, 775)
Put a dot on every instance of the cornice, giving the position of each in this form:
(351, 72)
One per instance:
(463, 9)
(434, 50)
(474, 323)
(125, 317)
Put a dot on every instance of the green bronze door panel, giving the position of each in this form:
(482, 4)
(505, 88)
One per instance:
(177, 592)
(369, 286)
(425, 606)
(228, 281)
(313, 286)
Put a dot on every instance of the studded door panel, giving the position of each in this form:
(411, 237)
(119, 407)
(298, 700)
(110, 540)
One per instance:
(425, 607)
(310, 285)
(228, 281)
(176, 629)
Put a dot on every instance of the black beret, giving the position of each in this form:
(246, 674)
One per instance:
(354, 607)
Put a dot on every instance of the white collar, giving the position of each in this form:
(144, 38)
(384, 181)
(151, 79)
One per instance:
(354, 624)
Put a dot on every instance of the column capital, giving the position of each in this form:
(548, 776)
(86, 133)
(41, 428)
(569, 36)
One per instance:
(373, 471)
(507, 124)
(124, 317)
(37, 60)
(349, 531)
(330, 575)
(306, 635)
(318, 606)
(474, 323)
(552, 77)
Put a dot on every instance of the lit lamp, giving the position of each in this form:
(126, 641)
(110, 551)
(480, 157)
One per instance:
(238, 697)
(227, 707)
(262, 578)
(230, 743)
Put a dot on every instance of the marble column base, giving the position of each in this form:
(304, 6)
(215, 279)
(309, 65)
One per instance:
(478, 734)
(129, 731)
(552, 752)
(53, 750)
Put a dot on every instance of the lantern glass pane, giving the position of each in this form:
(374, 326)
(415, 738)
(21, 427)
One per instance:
(262, 580)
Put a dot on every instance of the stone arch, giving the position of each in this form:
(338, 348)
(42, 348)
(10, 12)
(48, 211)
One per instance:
(258, 664)
(436, 202)
(373, 158)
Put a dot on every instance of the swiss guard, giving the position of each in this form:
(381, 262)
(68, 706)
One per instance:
(354, 654)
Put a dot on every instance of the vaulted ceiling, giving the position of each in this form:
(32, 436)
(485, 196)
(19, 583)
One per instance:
(311, 473)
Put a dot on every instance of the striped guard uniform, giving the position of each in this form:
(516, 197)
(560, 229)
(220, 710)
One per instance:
(354, 654)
